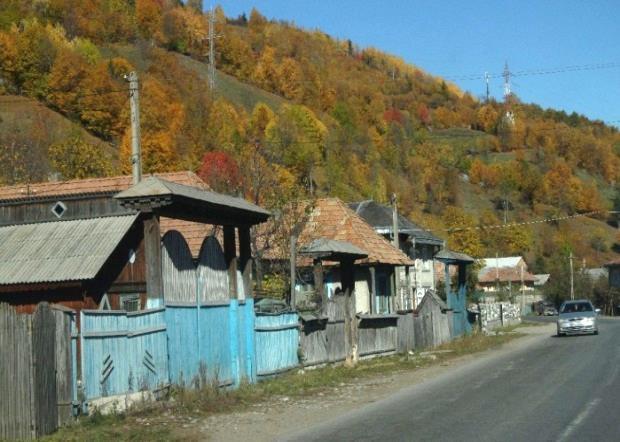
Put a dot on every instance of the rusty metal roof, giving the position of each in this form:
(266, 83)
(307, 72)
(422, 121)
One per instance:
(59, 251)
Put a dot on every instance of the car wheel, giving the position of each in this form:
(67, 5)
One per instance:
(596, 332)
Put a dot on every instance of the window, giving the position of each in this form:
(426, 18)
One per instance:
(130, 302)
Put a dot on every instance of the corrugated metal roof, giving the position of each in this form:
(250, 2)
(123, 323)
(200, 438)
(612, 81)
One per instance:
(59, 251)
(505, 261)
(153, 186)
(380, 217)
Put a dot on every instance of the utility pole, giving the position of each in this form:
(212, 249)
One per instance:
(134, 102)
(211, 50)
(522, 290)
(507, 93)
(506, 75)
(395, 242)
(486, 79)
(572, 277)
(293, 258)
(496, 273)
(394, 220)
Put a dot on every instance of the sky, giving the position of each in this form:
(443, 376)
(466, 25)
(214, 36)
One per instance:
(462, 39)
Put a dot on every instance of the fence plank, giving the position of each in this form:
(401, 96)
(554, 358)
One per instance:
(277, 341)
(64, 366)
(44, 365)
(16, 417)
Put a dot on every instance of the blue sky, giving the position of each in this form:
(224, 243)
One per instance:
(468, 37)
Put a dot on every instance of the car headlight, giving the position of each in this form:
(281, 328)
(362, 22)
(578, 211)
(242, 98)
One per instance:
(588, 320)
(563, 321)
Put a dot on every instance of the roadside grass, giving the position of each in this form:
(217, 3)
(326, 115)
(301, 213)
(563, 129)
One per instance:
(160, 421)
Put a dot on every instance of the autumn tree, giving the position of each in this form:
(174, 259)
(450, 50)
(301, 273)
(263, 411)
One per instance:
(74, 158)
(463, 233)
(221, 172)
(161, 117)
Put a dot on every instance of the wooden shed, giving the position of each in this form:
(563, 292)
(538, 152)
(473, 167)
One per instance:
(84, 245)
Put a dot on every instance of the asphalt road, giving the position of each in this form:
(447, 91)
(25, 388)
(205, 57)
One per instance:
(552, 389)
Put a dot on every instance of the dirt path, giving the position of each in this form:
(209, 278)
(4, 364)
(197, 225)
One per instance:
(280, 415)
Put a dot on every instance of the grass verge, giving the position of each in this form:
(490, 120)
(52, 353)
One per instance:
(161, 421)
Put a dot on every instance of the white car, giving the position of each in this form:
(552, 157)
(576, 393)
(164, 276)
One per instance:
(577, 317)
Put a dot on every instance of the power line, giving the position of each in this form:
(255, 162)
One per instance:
(533, 72)
(525, 223)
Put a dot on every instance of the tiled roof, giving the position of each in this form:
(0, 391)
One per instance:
(91, 186)
(194, 233)
(504, 274)
(330, 218)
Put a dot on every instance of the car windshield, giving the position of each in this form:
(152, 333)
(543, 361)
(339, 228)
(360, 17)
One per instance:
(574, 307)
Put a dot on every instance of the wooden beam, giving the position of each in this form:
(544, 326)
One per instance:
(373, 289)
(318, 283)
(245, 260)
(230, 254)
(152, 252)
(293, 270)
(347, 277)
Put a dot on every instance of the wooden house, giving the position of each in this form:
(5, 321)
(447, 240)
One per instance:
(96, 243)
(417, 243)
(331, 219)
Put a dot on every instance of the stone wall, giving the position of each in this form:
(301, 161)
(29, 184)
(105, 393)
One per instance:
(497, 314)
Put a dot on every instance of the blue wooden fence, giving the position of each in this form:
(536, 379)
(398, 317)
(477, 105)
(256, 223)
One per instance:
(277, 342)
(223, 343)
(211, 342)
(122, 352)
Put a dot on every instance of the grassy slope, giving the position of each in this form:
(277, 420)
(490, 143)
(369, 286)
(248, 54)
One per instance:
(242, 94)
(20, 115)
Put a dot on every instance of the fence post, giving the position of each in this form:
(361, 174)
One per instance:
(234, 340)
(501, 314)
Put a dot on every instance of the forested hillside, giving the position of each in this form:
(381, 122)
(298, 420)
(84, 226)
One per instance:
(296, 113)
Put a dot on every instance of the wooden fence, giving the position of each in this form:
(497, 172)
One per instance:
(322, 337)
(277, 342)
(122, 352)
(211, 342)
(35, 372)
(425, 330)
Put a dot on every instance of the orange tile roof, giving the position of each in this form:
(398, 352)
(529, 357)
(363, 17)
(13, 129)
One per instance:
(503, 274)
(194, 233)
(91, 186)
(330, 218)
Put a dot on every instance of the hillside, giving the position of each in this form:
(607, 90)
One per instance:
(298, 113)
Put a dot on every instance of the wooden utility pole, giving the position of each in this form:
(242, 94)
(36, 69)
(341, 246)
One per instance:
(212, 50)
(572, 282)
(395, 242)
(350, 319)
(293, 270)
(522, 290)
(134, 102)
